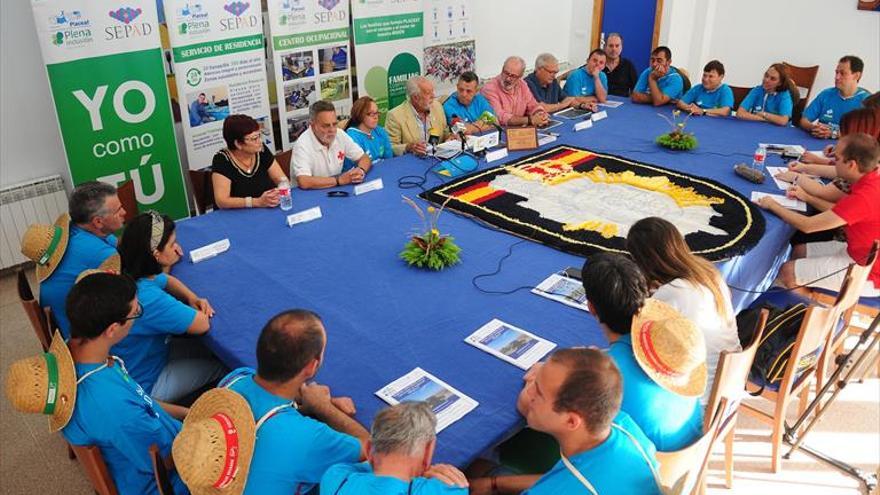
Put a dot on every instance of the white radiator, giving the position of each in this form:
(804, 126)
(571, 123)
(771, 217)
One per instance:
(36, 201)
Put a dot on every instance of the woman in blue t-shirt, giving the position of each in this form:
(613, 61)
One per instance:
(772, 101)
(168, 369)
(364, 128)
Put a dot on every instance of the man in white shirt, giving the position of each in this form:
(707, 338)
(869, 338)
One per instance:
(319, 153)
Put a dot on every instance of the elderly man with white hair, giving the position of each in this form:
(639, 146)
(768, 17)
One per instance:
(411, 124)
(399, 456)
(510, 97)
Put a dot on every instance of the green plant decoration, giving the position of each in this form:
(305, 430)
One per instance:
(430, 249)
(677, 139)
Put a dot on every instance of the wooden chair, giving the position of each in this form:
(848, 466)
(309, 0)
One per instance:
(739, 94)
(203, 190)
(799, 373)
(341, 124)
(127, 197)
(729, 386)
(96, 469)
(283, 159)
(803, 78)
(682, 471)
(162, 468)
(686, 79)
(34, 312)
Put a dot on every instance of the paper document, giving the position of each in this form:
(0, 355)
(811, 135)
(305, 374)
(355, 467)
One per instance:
(509, 343)
(373, 185)
(568, 291)
(611, 104)
(790, 203)
(448, 404)
(790, 149)
(572, 113)
(545, 138)
(781, 184)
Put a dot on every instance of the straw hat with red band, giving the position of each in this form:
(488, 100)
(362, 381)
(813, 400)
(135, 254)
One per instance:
(213, 451)
(45, 384)
(45, 245)
(670, 349)
(112, 265)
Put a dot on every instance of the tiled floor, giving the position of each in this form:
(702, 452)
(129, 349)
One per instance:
(34, 461)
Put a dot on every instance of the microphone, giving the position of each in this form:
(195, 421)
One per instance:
(458, 126)
(489, 118)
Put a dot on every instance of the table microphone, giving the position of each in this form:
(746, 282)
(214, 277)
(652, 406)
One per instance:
(457, 126)
(433, 140)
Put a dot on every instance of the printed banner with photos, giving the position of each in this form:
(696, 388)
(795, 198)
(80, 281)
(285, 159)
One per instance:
(310, 54)
(449, 43)
(217, 49)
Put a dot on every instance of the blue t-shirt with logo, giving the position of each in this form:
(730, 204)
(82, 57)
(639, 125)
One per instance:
(672, 85)
(292, 451)
(617, 465)
(376, 145)
(579, 83)
(145, 349)
(114, 413)
(758, 100)
(669, 420)
(84, 251)
(469, 113)
(720, 97)
(829, 106)
(358, 479)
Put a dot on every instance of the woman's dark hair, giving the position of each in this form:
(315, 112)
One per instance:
(359, 111)
(236, 127)
(786, 83)
(134, 247)
(864, 120)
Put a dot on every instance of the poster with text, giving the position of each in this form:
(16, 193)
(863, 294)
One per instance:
(389, 43)
(218, 56)
(310, 54)
(449, 43)
(107, 79)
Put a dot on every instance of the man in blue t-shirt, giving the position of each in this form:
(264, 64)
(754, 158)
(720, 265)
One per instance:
(95, 214)
(198, 111)
(660, 83)
(112, 411)
(301, 430)
(712, 96)
(467, 104)
(589, 80)
(400, 450)
(822, 117)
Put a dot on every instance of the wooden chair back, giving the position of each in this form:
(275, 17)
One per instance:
(33, 311)
(681, 472)
(203, 190)
(739, 94)
(811, 339)
(803, 78)
(855, 280)
(127, 197)
(162, 467)
(342, 123)
(686, 78)
(96, 470)
(283, 159)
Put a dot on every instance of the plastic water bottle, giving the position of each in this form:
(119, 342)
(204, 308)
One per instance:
(758, 160)
(286, 197)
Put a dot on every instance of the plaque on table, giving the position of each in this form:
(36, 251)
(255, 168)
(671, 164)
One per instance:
(521, 138)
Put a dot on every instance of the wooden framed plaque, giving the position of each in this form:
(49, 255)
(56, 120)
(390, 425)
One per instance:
(521, 138)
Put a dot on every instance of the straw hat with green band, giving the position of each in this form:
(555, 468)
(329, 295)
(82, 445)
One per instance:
(45, 384)
(45, 245)
(113, 264)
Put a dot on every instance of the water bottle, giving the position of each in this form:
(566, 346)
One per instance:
(758, 160)
(284, 193)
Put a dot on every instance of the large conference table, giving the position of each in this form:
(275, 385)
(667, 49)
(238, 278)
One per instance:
(384, 318)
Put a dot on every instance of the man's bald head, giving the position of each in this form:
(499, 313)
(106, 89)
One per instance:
(289, 342)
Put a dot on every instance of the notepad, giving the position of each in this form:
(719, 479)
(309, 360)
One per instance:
(790, 203)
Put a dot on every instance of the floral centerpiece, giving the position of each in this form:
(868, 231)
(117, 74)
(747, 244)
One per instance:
(677, 139)
(430, 248)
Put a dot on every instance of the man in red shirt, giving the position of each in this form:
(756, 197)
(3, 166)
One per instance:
(858, 213)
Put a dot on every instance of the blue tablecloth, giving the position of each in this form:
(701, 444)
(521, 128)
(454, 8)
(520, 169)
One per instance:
(383, 319)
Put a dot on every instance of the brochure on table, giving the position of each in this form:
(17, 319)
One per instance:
(567, 290)
(509, 343)
(448, 404)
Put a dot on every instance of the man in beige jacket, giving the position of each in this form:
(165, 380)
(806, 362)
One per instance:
(411, 124)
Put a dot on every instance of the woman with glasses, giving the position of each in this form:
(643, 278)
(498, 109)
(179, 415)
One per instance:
(364, 129)
(168, 368)
(245, 172)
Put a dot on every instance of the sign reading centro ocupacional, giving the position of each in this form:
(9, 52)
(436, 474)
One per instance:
(107, 78)
(218, 58)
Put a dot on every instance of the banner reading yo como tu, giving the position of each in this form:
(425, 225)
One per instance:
(217, 50)
(107, 79)
(310, 55)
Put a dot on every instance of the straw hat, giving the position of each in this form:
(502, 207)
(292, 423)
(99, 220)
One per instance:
(113, 264)
(45, 245)
(670, 349)
(213, 451)
(45, 384)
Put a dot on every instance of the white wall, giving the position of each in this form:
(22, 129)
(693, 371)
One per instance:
(749, 35)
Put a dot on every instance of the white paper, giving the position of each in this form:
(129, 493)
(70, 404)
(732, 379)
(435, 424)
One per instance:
(304, 216)
(790, 203)
(373, 185)
(611, 104)
(791, 149)
(584, 124)
(567, 290)
(483, 141)
(209, 251)
(496, 155)
(509, 343)
(448, 404)
(545, 139)
(447, 149)
(781, 184)
(596, 117)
